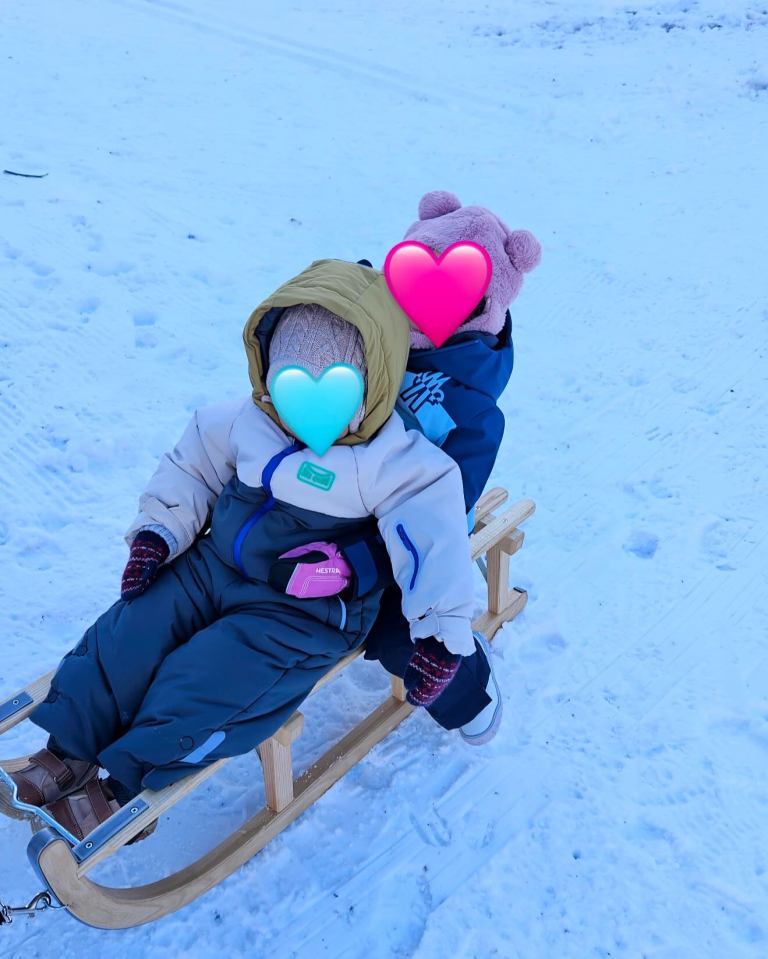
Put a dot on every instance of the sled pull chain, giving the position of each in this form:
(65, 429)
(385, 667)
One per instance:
(41, 902)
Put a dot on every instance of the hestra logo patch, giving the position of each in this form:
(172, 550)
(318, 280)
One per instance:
(315, 475)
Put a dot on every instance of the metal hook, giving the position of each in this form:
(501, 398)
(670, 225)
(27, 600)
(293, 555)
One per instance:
(39, 903)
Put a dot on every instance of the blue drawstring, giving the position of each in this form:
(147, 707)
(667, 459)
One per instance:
(266, 506)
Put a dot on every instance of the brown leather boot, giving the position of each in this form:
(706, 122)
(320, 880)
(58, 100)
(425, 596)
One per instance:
(45, 779)
(82, 811)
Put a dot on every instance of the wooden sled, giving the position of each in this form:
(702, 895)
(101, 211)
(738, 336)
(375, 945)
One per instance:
(63, 867)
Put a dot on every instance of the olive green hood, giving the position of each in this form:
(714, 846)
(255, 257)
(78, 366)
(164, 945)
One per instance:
(359, 295)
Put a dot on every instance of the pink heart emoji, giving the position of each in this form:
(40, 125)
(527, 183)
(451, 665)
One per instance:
(438, 292)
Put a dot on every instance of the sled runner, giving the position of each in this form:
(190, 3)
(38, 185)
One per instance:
(62, 863)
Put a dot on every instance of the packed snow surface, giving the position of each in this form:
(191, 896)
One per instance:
(195, 155)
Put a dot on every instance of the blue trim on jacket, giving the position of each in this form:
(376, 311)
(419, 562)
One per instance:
(266, 481)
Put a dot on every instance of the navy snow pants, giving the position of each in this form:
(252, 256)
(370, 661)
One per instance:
(204, 665)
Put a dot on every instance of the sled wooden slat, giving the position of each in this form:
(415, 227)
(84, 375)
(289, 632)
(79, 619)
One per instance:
(502, 525)
(38, 691)
(338, 668)
(490, 501)
(121, 908)
(11, 765)
(510, 543)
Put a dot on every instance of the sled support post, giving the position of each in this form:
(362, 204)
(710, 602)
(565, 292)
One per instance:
(277, 762)
(398, 688)
(498, 538)
(498, 579)
(499, 594)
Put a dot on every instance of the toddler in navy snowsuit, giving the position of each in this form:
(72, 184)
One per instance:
(450, 394)
(204, 658)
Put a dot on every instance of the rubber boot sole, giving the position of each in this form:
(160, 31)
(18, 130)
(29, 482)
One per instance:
(480, 739)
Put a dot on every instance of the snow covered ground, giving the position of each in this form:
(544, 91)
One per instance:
(197, 154)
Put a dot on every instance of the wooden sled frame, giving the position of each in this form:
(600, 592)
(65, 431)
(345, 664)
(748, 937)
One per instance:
(63, 868)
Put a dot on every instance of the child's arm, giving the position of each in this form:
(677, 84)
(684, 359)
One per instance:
(473, 445)
(415, 492)
(189, 479)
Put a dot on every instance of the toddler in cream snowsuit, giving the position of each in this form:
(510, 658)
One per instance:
(203, 657)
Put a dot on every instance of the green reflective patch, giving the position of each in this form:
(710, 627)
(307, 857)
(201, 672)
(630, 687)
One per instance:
(316, 476)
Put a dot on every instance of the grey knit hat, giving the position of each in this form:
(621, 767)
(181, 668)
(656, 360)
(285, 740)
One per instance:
(312, 337)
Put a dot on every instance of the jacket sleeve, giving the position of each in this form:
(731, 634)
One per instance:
(185, 486)
(414, 491)
(474, 446)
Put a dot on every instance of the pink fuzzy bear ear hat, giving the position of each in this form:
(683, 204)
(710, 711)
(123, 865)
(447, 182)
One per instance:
(443, 221)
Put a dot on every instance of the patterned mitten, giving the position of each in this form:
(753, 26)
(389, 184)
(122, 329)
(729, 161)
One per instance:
(148, 552)
(429, 671)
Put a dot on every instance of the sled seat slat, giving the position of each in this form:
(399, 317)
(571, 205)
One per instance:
(510, 543)
(37, 692)
(490, 501)
(500, 526)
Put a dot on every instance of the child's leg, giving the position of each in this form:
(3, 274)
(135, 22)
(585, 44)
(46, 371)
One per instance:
(222, 693)
(99, 685)
(390, 643)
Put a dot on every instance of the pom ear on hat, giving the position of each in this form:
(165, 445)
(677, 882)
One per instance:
(523, 250)
(437, 203)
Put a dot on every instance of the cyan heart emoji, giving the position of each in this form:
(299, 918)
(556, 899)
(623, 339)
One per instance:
(318, 411)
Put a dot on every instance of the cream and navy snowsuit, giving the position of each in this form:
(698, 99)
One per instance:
(210, 660)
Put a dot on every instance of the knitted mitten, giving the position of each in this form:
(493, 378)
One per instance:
(148, 552)
(429, 671)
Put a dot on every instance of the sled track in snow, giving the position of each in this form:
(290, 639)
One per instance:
(372, 74)
(451, 866)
